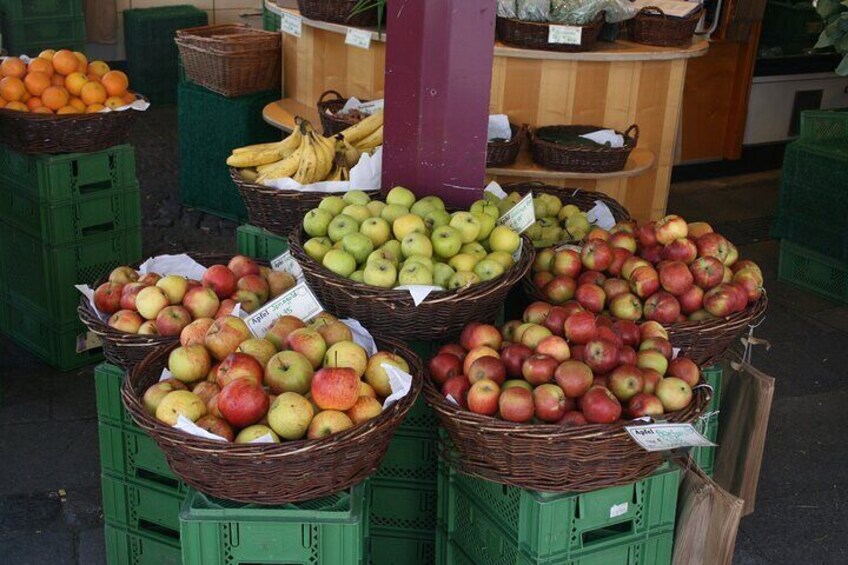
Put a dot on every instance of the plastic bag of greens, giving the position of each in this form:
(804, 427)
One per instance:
(584, 12)
(533, 10)
(506, 8)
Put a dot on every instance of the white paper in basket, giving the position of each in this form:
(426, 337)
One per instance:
(365, 175)
(603, 136)
(354, 103)
(601, 216)
(495, 189)
(88, 292)
(399, 381)
(419, 292)
(499, 127)
(181, 265)
(361, 336)
(189, 427)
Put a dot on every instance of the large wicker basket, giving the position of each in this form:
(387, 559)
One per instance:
(652, 27)
(26, 132)
(278, 211)
(579, 157)
(549, 457)
(503, 153)
(231, 59)
(534, 35)
(329, 104)
(272, 473)
(337, 12)
(441, 315)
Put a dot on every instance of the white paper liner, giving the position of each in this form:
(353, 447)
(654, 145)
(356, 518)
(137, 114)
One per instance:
(361, 336)
(601, 216)
(354, 103)
(499, 127)
(603, 136)
(181, 265)
(189, 427)
(263, 439)
(494, 188)
(419, 292)
(400, 383)
(365, 175)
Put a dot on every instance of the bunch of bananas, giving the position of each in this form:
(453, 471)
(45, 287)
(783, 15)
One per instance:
(308, 157)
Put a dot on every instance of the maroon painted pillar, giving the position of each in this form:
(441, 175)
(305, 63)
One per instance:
(438, 81)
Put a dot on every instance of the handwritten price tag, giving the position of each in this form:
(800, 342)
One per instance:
(521, 216)
(299, 302)
(291, 24)
(664, 437)
(289, 264)
(570, 35)
(358, 38)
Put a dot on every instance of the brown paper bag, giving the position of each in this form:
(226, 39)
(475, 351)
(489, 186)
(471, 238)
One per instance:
(101, 21)
(747, 395)
(707, 520)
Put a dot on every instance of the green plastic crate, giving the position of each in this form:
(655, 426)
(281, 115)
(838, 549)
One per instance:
(18, 9)
(130, 548)
(107, 389)
(141, 508)
(814, 194)
(420, 419)
(704, 457)
(824, 126)
(713, 375)
(259, 243)
(270, 20)
(794, 27)
(74, 221)
(403, 507)
(328, 531)
(210, 127)
(410, 457)
(45, 275)
(555, 526)
(134, 456)
(55, 179)
(813, 271)
(391, 548)
(29, 36)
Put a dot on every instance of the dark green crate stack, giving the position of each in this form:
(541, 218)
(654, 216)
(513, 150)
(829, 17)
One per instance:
(792, 27)
(486, 523)
(211, 126)
(707, 424)
(141, 496)
(270, 20)
(813, 207)
(30, 26)
(64, 220)
(152, 55)
(259, 243)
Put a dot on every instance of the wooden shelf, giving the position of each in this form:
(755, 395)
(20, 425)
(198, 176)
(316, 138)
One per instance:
(281, 113)
(640, 161)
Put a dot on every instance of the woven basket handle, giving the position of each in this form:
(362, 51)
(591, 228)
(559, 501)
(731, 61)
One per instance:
(635, 129)
(329, 92)
(649, 10)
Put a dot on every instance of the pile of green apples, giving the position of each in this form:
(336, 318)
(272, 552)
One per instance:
(555, 222)
(404, 241)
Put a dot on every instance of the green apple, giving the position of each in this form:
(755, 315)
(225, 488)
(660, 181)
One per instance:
(475, 250)
(553, 234)
(436, 219)
(358, 245)
(504, 239)
(357, 211)
(534, 232)
(488, 269)
(485, 207)
(376, 208)
(341, 226)
(380, 272)
(514, 197)
(376, 229)
(552, 204)
(539, 207)
(442, 272)
(467, 224)
(502, 257)
(426, 262)
(487, 224)
(446, 241)
(340, 262)
(358, 276)
(463, 262)
(338, 244)
(317, 247)
(392, 212)
(393, 248)
(462, 279)
(357, 197)
(407, 224)
(577, 226)
(422, 208)
(316, 222)
(437, 202)
(415, 273)
(416, 243)
(491, 197)
(400, 196)
(333, 204)
(567, 211)
(546, 221)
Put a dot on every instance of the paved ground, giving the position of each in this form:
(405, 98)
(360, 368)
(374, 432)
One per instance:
(49, 468)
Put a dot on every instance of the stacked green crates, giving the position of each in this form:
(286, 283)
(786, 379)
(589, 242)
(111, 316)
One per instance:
(211, 126)
(30, 26)
(707, 423)
(259, 243)
(813, 271)
(141, 496)
(482, 522)
(64, 220)
(152, 55)
(270, 20)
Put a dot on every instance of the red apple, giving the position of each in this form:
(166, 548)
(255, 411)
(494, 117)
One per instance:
(195, 332)
(335, 388)
(713, 245)
(596, 255)
(107, 297)
(553, 346)
(483, 397)
(536, 312)
(651, 378)
(652, 359)
(567, 262)
(591, 277)
(573, 418)
(751, 282)
(550, 402)
(454, 349)
(572, 307)
(626, 381)
(242, 403)
(560, 289)
(581, 328)
(516, 405)
(631, 264)
(675, 277)
(741, 296)
(674, 393)
(573, 377)
(657, 344)
(555, 321)
(697, 229)
(626, 355)
(533, 335)
(644, 404)
(513, 357)
(683, 250)
(652, 329)
(720, 301)
(242, 266)
(628, 331)
(746, 264)
(685, 369)
(669, 228)
(600, 406)
(126, 321)
(456, 387)
(444, 366)
(644, 281)
(487, 367)
(591, 297)
(255, 284)
(542, 278)
(220, 279)
(201, 302)
(600, 380)
(606, 332)
(577, 352)
(662, 307)
(652, 254)
(626, 306)
(619, 256)
(647, 235)
(217, 426)
(226, 308)
(623, 240)
(707, 272)
(544, 260)
(615, 287)
(240, 366)
(692, 300)
(539, 369)
(598, 232)
(128, 294)
(476, 353)
(601, 355)
(508, 330)
(171, 320)
(481, 335)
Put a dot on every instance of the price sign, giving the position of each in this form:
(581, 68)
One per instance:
(358, 38)
(569, 35)
(299, 302)
(88, 341)
(291, 24)
(665, 437)
(289, 264)
(521, 216)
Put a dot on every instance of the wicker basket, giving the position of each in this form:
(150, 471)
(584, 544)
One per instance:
(337, 12)
(278, 211)
(583, 199)
(327, 110)
(26, 132)
(443, 314)
(231, 59)
(534, 35)
(652, 27)
(272, 473)
(503, 153)
(581, 158)
(125, 349)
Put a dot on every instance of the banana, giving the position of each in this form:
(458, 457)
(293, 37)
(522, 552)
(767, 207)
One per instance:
(327, 149)
(265, 153)
(351, 153)
(281, 169)
(308, 162)
(372, 141)
(256, 148)
(249, 175)
(335, 174)
(364, 128)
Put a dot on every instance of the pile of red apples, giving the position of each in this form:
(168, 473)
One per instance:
(556, 367)
(666, 271)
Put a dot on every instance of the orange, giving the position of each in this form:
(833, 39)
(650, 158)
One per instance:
(34, 103)
(114, 102)
(115, 82)
(36, 82)
(12, 89)
(92, 77)
(57, 80)
(26, 96)
(92, 108)
(55, 97)
(19, 106)
(65, 62)
(47, 54)
(93, 93)
(98, 68)
(42, 110)
(74, 82)
(68, 110)
(2, 102)
(12, 67)
(128, 98)
(77, 103)
(41, 65)
(83, 62)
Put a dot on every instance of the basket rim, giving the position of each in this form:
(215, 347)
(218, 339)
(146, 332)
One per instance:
(518, 132)
(630, 141)
(31, 116)
(236, 177)
(515, 21)
(645, 12)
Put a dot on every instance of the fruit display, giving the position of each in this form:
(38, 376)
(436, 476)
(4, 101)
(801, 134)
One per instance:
(552, 367)
(61, 82)
(555, 222)
(166, 305)
(308, 157)
(668, 271)
(300, 381)
(404, 241)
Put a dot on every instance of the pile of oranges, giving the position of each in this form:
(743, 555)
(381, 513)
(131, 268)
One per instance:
(61, 82)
